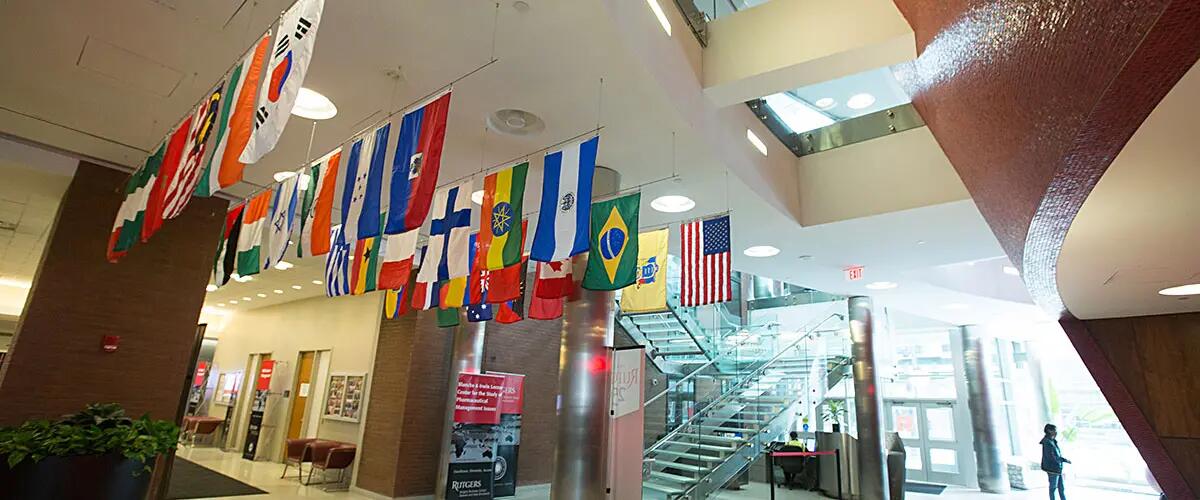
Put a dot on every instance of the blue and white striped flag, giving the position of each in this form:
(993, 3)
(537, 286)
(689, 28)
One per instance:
(363, 184)
(562, 227)
(337, 264)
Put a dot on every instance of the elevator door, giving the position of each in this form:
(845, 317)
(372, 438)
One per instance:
(933, 451)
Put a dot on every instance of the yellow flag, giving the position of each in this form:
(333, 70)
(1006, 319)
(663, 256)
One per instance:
(649, 292)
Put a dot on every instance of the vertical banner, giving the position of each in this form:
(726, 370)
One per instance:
(473, 440)
(257, 407)
(508, 437)
(625, 426)
(197, 392)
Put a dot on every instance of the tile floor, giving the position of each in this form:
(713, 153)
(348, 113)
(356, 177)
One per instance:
(265, 476)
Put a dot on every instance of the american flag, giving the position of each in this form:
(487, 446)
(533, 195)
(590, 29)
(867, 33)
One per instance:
(706, 262)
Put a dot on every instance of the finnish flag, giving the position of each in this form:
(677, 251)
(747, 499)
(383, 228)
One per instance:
(562, 227)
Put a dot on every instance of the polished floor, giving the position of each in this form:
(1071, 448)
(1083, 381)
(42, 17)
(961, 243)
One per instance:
(265, 475)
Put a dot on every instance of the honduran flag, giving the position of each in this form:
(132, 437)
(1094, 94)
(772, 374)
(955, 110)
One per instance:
(316, 211)
(397, 265)
(254, 223)
(163, 179)
(416, 164)
(563, 222)
(234, 122)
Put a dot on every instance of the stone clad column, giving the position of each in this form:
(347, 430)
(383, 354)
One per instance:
(581, 452)
(993, 477)
(871, 471)
(466, 356)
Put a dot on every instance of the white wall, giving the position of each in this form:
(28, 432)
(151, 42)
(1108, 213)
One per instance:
(347, 327)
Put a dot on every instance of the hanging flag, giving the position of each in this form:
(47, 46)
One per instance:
(478, 308)
(612, 262)
(354, 185)
(233, 123)
(254, 222)
(447, 317)
(500, 241)
(541, 308)
(179, 192)
(397, 265)
(554, 279)
(394, 304)
(514, 310)
(449, 235)
(364, 272)
(293, 49)
(504, 284)
(416, 164)
(425, 295)
(562, 229)
(453, 292)
(337, 264)
(317, 210)
(127, 226)
(369, 220)
(226, 259)
(706, 260)
(282, 219)
(163, 178)
(649, 292)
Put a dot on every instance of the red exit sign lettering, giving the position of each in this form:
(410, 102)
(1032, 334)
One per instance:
(854, 273)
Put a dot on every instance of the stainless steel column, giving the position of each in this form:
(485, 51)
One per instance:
(466, 356)
(871, 471)
(993, 478)
(581, 451)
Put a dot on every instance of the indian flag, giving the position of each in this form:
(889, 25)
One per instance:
(235, 122)
(127, 227)
(254, 222)
(501, 239)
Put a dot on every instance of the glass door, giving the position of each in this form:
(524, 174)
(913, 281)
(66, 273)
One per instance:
(934, 451)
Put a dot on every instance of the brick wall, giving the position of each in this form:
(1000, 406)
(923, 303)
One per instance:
(151, 299)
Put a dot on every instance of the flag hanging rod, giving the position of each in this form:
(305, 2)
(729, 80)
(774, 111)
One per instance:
(677, 221)
(512, 160)
(630, 189)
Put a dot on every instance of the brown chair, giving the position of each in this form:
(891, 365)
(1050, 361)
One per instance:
(337, 456)
(204, 426)
(297, 452)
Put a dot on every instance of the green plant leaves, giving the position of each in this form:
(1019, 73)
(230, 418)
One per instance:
(98, 429)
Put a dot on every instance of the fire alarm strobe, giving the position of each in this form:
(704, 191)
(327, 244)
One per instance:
(109, 343)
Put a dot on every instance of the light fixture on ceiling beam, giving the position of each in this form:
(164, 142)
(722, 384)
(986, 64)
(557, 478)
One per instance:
(758, 143)
(825, 103)
(860, 101)
(661, 15)
(313, 105)
(1175, 291)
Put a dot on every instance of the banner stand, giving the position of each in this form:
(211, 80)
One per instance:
(471, 471)
(508, 435)
(258, 407)
(626, 424)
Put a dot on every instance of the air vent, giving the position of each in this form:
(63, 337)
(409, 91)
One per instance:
(515, 122)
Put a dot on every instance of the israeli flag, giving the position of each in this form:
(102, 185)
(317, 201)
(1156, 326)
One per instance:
(562, 227)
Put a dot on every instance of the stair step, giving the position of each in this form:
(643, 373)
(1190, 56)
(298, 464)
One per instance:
(736, 420)
(716, 428)
(772, 399)
(712, 438)
(675, 478)
(661, 488)
(693, 456)
(675, 465)
(668, 340)
(702, 446)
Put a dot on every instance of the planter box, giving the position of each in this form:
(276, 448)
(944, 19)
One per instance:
(91, 477)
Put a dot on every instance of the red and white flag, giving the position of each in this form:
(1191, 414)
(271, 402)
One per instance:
(706, 262)
(554, 279)
(397, 266)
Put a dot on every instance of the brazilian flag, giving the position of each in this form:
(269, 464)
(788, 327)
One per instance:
(612, 261)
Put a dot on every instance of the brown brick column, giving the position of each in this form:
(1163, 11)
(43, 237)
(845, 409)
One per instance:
(151, 299)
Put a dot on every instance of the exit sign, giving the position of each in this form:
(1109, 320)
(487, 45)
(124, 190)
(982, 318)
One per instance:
(854, 273)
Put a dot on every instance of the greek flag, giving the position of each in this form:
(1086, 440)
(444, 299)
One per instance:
(337, 264)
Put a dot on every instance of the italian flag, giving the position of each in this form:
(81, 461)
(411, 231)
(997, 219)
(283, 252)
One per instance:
(127, 228)
(501, 239)
(235, 122)
(254, 222)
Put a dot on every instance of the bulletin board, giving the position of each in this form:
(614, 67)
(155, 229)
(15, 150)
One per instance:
(344, 396)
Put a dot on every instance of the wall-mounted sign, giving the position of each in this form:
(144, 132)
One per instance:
(854, 273)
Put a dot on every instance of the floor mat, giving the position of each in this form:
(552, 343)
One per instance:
(189, 480)
(929, 489)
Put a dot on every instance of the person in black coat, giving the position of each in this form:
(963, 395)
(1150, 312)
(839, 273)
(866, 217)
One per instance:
(1052, 461)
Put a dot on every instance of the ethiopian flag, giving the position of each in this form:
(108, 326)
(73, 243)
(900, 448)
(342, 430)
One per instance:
(501, 240)
(612, 261)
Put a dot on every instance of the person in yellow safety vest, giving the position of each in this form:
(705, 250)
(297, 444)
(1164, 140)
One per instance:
(795, 441)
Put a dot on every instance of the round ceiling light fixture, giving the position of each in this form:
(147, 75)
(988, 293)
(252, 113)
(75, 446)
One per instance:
(860, 101)
(673, 203)
(882, 285)
(515, 122)
(521, 6)
(761, 251)
(284, 265)
(825, 103)
(283, 176)
(210, 288)
(314, 106)
(956, 306)
(477, 197)
(1175, 291)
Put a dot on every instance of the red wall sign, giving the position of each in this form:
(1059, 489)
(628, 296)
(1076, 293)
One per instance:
(477, 398)
(201, 371)
(264, 375)
(512, 396)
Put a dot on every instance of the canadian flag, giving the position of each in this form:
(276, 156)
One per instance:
(554, 279)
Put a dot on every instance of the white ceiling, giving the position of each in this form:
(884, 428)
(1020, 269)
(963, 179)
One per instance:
(33, 184)
(1137, 231)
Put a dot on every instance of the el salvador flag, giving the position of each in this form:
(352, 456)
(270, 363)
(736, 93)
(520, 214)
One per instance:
(562, 228)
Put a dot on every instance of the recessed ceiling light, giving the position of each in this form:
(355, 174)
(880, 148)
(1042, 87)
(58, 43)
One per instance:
(210, 288)
(517, 122)
(920, 242)
(860, 101)
(242, 279)
(296, 287)
(673, 203)
(1193, 289)
(521, 6)
(278, 291)
(758, 143)
(477, 197)
(314, 106)
(882, 285)
(283, 175)
(220, 304)
(284, 265)
(1010, 270)
(14, 283)
(662, 16)
(262, 295)
(316, 282)
(825, 103)
(247, 299)
(956, 306)
(233, 302)
(761, 251)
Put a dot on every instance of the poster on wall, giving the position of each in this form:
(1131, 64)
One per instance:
(626, 428)
(473, 440)
(262, 387)
(196, 395)
(508, 435)
(343, 399)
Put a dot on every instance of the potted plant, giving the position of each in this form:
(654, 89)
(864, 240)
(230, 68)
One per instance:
(98, 453)
(835, 412)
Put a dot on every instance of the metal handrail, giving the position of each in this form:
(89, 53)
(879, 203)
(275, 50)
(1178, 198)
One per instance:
(693, 373)
(714, 404)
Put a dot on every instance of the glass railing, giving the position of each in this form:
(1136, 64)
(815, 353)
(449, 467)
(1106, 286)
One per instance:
(714, 9)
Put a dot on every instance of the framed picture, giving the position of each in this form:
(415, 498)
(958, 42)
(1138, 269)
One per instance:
(344, 396)
(227, 387)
